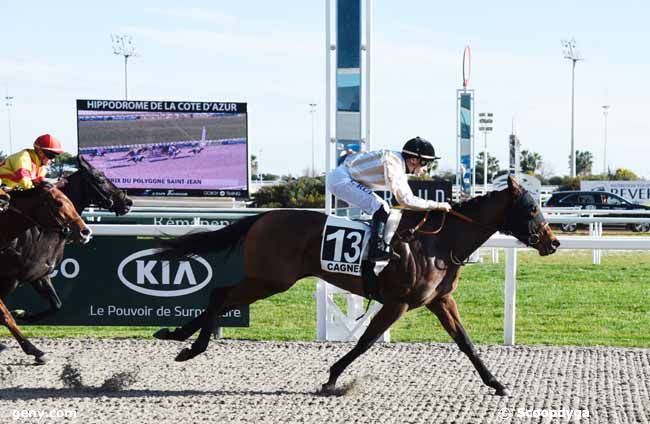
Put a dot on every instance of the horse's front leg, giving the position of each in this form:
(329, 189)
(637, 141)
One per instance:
(447, 312)
(381, 322)
(8, 321)
(45, 289)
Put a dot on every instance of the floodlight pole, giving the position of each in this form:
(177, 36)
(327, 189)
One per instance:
(485, 121)
(312, 111)
(8, 103)
(605, 113)
(123, 46)
(571, 53)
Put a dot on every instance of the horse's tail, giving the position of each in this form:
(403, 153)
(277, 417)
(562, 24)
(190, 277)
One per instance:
(207, 241)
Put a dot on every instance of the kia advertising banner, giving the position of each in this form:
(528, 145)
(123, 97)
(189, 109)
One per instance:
(117, 281)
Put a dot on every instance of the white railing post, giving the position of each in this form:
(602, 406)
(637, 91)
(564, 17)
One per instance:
(495, 255)
(510, 297)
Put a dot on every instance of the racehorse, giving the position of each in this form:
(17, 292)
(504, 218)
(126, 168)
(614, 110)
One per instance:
(4, 200)
(49, 209)
(283, 246)
(39, 252)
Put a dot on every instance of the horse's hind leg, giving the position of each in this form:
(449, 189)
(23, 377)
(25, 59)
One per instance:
(27, 347)
(217, 297)
(447, 312)
(183, 333)
(246, 292)
(381, 322)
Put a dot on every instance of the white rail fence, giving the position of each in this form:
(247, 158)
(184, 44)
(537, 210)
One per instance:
(333, 324)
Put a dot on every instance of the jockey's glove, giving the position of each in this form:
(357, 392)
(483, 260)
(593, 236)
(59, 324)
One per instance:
(439, 206)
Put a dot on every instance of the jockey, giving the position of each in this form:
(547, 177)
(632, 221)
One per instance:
(28, 167)
(354, 180)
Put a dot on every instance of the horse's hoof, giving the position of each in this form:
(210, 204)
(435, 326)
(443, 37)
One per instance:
(502, 392)
(42, 359)
(162, 334)
(327, 388)
(184, 355)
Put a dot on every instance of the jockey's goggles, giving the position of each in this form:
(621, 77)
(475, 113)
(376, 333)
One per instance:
(50, 154)
(427, 163)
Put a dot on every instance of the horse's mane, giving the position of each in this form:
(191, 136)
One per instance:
(25, 194)
(474, 202)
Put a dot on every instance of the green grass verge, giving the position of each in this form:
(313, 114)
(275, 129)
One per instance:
(561, 300)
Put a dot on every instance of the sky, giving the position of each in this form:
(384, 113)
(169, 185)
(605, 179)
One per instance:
(271, 55)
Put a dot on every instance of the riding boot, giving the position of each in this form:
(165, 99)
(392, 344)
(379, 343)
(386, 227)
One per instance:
(379, 250)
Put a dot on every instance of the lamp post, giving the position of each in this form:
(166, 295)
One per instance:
(571, 53)
(123, 46)
(485, 121)
(312, 111)
(605, 113)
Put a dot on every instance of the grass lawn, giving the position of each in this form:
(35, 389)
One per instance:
(561, 300)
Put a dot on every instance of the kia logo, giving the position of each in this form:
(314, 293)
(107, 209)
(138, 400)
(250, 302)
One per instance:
(159, 278)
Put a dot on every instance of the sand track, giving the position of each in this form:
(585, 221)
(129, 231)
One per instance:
(277, 382)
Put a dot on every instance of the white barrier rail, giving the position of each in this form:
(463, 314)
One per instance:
(496, 241)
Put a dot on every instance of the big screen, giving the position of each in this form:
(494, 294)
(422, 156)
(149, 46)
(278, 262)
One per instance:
(167, 148)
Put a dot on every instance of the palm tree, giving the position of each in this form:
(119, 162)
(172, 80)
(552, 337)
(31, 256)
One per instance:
(584, 162)
(530, 162)
(493, 167)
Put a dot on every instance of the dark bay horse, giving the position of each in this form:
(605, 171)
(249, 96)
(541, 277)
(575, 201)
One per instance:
(35, 253)
(44, 207)
(283, 246)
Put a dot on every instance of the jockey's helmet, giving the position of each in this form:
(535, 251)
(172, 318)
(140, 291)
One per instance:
(419, 148)
(49, 144)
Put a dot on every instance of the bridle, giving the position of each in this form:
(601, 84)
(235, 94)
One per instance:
(532, 237)
(105, 199)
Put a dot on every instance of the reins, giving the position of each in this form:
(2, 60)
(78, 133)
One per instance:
(457, 214)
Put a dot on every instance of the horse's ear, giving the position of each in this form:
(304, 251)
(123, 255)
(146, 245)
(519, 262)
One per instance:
(83, 163)
(514, 186)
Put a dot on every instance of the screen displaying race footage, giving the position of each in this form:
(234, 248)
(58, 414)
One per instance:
(167, 148)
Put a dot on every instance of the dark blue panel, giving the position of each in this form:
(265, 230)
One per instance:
(466, 101)
(348, 34)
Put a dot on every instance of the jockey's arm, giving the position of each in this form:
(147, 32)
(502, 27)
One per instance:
(21, 176)
(397, 180)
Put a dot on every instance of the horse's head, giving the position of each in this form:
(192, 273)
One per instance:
(100, 191)
(524, 220)
(55, 212)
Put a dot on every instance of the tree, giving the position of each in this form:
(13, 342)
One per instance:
(57, 168)
(584, 162)
(493, 167)
(624, 174)
(303, 192)
(530, 162)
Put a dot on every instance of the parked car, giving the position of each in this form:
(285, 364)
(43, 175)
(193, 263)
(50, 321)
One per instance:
(596, 200)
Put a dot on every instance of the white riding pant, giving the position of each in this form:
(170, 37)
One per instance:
(341, 185)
